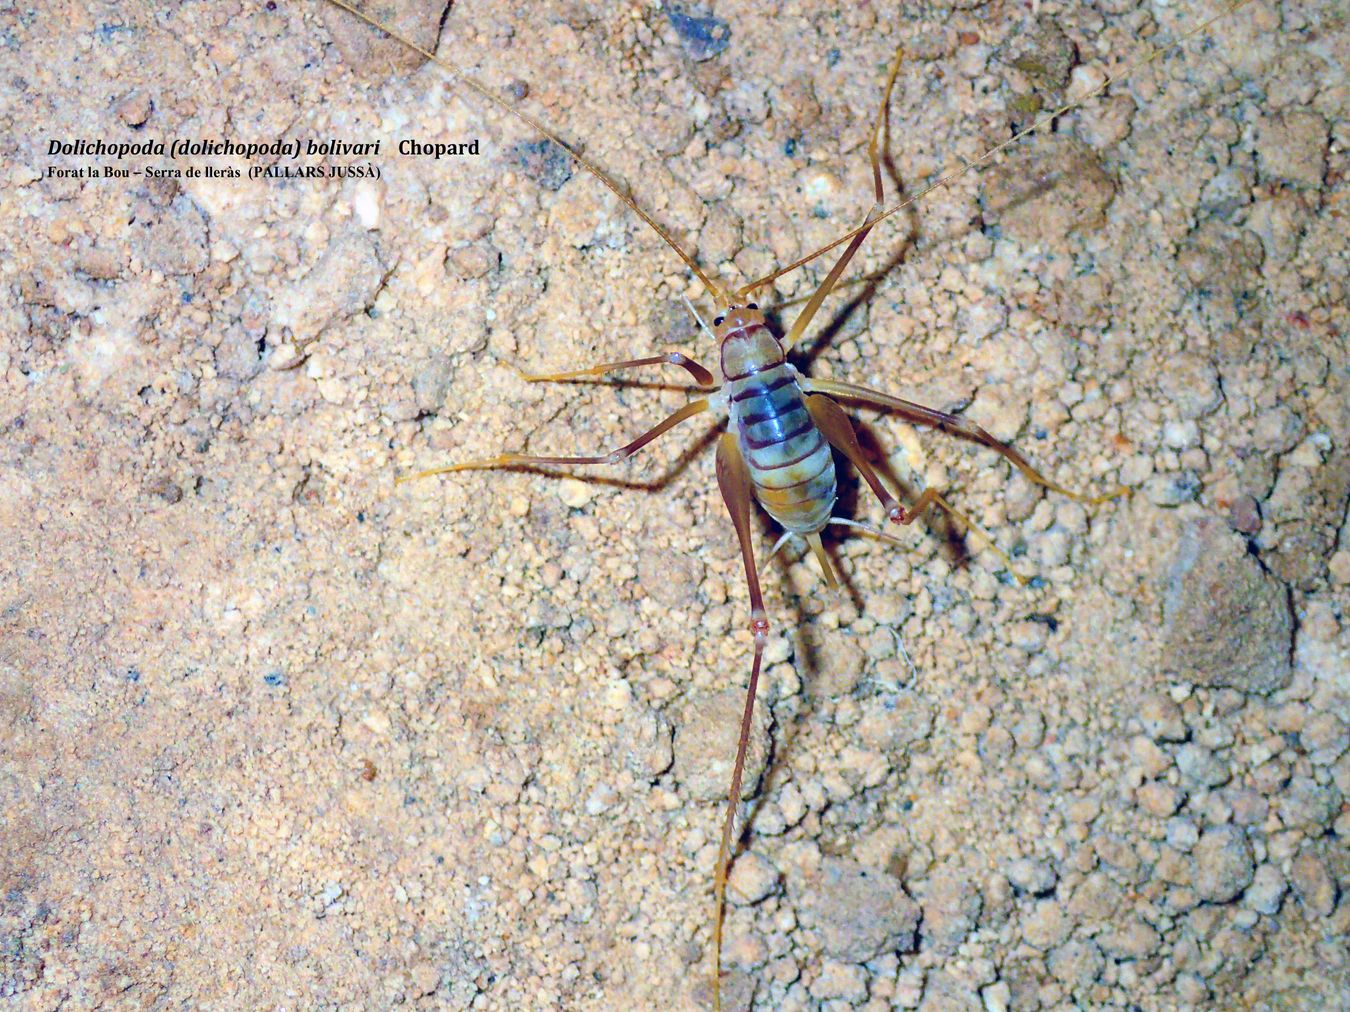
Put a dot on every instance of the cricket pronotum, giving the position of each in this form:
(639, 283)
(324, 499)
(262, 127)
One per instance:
(782, 427)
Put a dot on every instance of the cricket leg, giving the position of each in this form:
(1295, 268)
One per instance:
(734, 481)
(613, 457)
(701, 375)
(838, 430)
(955, 424)
(808, 313)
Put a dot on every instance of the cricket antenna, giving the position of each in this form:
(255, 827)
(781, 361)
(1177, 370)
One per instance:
(459, 77)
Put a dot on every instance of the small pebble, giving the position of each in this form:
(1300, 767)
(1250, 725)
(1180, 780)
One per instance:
(752, 879)
(1076, 963)
(997, 997)
(1292, 148)
(1191, 988)
(1029, 637)
(1225, 621)
(1158, 798)
(1191, 384)
(1244, 515)
(1132, 939)
(1182, 834)
(1313, 884)
(1117, 852)
(135, 109)
(702, 37)
(575, 493)
(1200, 766)
(951, 909)
(1047, 925)
(745, 950)
(1150, 759)
(601, 799)
(1266, 891)
(1306, 804)
(1325, 737)
(1031, 876)
(1223, 863)
(840, 980)
(164, 488)
(1161, 718)
(1249, 807)
(857, 911)
(425, 978)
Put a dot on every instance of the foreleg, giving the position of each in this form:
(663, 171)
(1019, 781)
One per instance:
(701, 375)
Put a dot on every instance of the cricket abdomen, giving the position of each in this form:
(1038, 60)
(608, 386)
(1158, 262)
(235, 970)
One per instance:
(791, 467)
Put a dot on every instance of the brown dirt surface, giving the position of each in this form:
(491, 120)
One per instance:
(277, 732)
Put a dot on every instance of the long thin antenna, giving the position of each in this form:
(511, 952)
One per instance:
(955, 174)
(459, 77)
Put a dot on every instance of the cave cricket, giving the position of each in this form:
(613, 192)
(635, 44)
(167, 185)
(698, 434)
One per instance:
(781, 427)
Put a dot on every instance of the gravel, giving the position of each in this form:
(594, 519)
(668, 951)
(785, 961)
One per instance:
(1034, 877)
(278, 729)
(1313, 883)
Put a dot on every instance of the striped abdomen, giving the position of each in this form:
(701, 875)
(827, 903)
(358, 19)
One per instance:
(790, 463)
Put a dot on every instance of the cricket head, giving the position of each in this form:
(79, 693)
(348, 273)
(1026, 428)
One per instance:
(737, 318)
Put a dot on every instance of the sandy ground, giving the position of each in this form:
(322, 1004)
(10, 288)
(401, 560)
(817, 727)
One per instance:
(278, 733)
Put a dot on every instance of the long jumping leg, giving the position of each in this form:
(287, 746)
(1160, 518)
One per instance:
(734, 481)
(951, 423)
(613, 457)
(835, 426)
(838, 430)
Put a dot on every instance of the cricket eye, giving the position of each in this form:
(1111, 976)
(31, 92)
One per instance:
(753, 305)
(718, 322)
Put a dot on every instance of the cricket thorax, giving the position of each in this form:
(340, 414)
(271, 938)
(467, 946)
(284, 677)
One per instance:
(748, 345)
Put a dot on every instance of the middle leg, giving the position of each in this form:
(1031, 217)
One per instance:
(613, 457)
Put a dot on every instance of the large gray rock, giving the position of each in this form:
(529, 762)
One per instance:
(1225, 622)
(859, 912)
